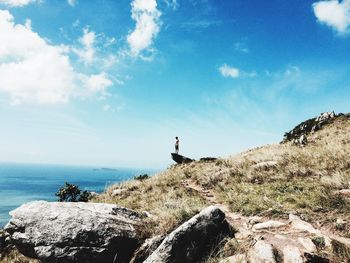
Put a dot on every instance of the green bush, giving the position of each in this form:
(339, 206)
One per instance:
(72, 193)
(141, 177)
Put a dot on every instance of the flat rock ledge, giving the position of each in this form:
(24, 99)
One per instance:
(74, 232)
(194, 239)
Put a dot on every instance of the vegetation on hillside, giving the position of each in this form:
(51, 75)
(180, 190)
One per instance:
(273, 181)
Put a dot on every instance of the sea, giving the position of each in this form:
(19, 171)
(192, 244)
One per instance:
(21, 183)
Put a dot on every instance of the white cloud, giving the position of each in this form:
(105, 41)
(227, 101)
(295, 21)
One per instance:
(71, 2)
(17, 3)
(146, 15)
(97, 83)
(87, 53)
(228, 71)
(334, 14)
(32, 70)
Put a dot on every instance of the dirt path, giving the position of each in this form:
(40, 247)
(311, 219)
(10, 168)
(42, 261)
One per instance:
(236, 220)
(280, 233)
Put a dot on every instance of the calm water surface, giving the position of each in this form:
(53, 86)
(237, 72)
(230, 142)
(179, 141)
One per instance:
(20, 183)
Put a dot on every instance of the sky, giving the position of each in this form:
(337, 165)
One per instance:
(111, 83)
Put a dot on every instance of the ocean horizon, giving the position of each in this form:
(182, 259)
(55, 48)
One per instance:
(21, 183)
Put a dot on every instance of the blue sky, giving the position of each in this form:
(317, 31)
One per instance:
(113, 82)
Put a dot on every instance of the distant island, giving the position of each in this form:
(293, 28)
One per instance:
(106, 169)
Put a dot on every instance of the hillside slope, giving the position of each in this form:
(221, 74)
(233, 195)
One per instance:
(302, 185)
(271, 181)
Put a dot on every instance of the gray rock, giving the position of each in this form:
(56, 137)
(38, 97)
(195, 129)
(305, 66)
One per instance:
(325, 116)
(268, 224)
(300, 225)
(93, 195)
(308, 245)
(307, 127)
(147, 249)
(261, 252)
(180, 158)
(292, 255)
(74, 232)
(194, 239)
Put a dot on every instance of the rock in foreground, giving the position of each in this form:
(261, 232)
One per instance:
(74, 232)
(194, 239)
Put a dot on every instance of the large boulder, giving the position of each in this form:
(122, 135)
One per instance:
(74, 232)
(194, 239)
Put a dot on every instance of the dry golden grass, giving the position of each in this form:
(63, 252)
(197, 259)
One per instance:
(162, 196)
(273, 180)
(11, 255)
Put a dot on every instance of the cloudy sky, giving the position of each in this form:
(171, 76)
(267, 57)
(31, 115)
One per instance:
(106, 82)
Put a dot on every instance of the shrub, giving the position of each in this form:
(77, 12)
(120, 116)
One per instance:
(319, 242)
(141, 177)
(72, 193)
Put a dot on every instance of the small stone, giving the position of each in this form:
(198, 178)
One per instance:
(301, 225)
(292, 255)
(93, 195)
(117, 192)
(345, 192)
(341, 221)
(147, 214)
(267, 225)
(255, 219)
(307, 244)
(261, 252)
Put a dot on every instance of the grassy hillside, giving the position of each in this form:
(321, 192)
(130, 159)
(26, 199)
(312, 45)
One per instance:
(273, 181)
(270, 181)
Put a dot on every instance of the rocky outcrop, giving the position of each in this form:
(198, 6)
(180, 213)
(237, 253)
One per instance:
(180, 158)
(74, 232)
(194, 239)
(298, 135)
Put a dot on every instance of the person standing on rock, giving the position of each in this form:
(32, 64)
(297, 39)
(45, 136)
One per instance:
(177, 142)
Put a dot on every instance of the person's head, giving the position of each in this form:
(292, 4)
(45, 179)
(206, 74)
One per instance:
(176, 138)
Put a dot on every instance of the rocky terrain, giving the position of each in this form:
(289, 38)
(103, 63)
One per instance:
(288, 202)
